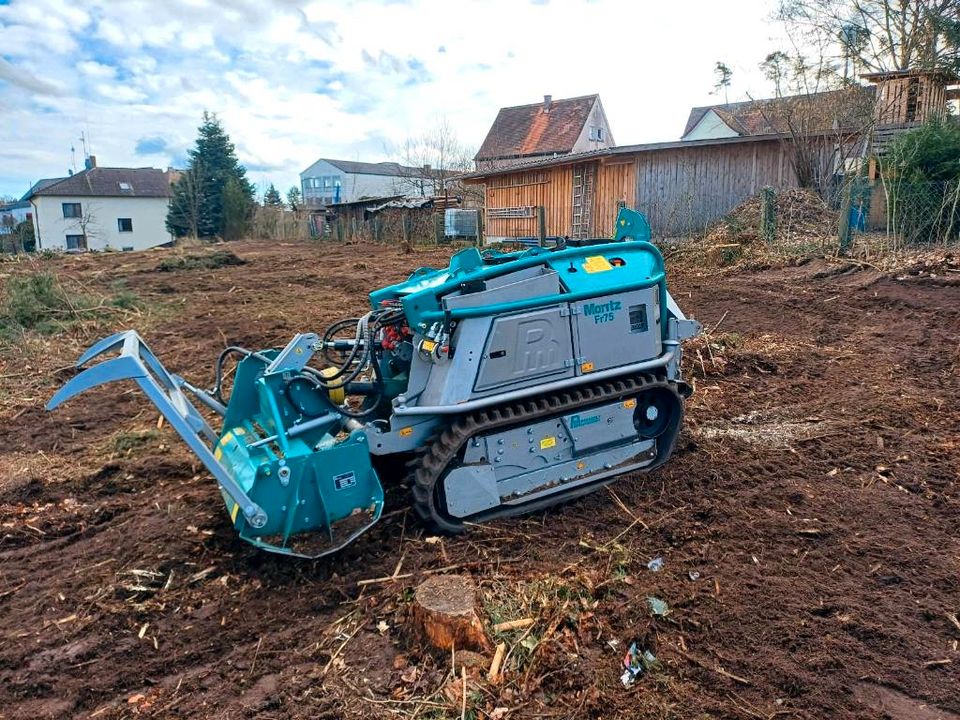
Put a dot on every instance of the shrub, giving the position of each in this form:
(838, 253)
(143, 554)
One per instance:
(38, 301)
(218, 259)
(923, 183)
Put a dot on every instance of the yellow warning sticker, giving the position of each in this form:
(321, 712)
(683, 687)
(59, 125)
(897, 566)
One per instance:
(631, 403)
(233, 513)
(218, 452)
(597, 263)
(548, 442)
(406, 432)
(428, 345)
(586, 367)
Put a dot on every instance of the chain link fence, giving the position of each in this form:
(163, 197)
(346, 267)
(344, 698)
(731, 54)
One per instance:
(905, 214)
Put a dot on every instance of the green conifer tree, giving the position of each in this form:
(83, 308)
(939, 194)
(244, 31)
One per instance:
(271, 198)
(197, 205)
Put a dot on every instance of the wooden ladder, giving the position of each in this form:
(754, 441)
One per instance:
(582, 200)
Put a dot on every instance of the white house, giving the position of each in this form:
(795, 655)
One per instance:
(328, 182)
(102, 208)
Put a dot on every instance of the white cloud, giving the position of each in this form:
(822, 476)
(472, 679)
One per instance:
(93, 69)
(294, 80)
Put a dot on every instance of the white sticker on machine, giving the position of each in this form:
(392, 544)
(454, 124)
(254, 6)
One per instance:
(344, 480)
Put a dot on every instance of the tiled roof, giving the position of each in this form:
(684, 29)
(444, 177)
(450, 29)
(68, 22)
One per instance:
(534, 130)
(109, 182)
(536, 163)
(40, 185)
(771, 115)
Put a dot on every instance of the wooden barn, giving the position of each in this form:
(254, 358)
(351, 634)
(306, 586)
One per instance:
(681, 186)
(728, 153)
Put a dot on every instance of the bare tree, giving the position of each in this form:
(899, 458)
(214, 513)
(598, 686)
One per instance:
(826, 113)
(825, 119)
(439, 154)
(879, 35)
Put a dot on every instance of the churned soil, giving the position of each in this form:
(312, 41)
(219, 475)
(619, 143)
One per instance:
(808, 524)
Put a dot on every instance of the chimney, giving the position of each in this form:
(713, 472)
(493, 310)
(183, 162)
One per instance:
(547, 102)
(426, 166)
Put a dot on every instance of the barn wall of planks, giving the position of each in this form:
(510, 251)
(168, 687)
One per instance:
(682, 190)
(512, 199)
(685, 190)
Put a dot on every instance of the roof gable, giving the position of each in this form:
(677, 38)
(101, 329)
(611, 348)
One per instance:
(108, 182)
(536, 130)
(711, 125)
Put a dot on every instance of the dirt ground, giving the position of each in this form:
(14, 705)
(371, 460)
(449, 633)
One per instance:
(809, 523)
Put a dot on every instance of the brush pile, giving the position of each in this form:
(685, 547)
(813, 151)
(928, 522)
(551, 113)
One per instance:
(802, 218)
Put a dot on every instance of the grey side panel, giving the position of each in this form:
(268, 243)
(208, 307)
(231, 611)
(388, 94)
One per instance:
(526, 347)
(616, 330)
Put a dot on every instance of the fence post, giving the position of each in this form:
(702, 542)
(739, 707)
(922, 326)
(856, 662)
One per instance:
(541, 226)
(768, 216)
(479, 227)
(843, 231)
(438, 227)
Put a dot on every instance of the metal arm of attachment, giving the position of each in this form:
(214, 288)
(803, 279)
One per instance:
(136, 361)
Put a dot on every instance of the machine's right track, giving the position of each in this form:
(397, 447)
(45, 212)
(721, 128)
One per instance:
(444, 448)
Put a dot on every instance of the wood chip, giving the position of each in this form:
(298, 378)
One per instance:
(513, 625)
(494, 674)
(197, 577)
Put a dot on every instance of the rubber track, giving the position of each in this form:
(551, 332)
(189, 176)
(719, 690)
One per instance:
(443, 448)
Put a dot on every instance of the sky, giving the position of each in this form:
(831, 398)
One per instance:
(296, 80)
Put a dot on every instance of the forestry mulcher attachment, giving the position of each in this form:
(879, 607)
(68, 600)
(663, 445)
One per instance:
(507, 382)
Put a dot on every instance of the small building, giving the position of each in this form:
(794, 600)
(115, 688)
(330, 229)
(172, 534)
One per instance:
(682, 187)
(543, 130)
(101, 208)
(328, 182)
(390, 218)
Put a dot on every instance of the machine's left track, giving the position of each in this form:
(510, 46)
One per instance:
(444, 450)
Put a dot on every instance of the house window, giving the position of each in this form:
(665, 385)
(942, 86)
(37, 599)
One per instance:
(596, 133)
(125, 224)
(125, 187)
(76, 242)
(72, 210)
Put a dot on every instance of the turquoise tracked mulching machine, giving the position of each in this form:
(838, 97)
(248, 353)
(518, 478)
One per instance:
(507, 382)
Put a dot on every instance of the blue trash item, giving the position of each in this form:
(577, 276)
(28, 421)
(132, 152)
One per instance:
(858, 217)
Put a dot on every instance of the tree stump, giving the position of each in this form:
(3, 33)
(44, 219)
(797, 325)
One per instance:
(445, 615)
